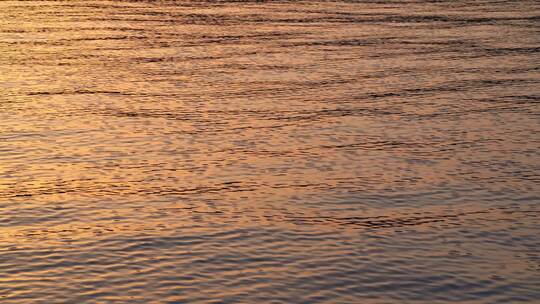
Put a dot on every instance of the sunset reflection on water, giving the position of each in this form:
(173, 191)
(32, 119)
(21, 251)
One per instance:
(273, 152)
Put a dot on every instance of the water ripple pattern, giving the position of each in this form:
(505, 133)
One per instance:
(177, 151)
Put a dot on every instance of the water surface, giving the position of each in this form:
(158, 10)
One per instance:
(269, 151)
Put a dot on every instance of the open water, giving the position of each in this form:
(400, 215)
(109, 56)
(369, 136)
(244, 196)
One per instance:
(269, 151)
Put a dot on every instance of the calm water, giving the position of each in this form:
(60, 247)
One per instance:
(269, 151)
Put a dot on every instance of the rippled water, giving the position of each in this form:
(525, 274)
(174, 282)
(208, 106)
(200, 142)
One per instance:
(269, 151)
